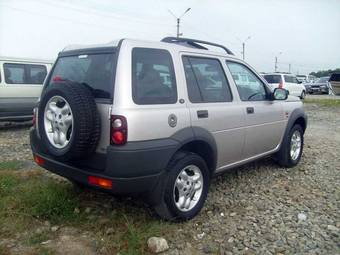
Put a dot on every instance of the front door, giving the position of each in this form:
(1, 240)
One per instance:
(264, 117)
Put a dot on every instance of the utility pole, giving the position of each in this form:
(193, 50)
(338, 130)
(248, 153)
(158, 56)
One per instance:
(290, 67)
(244, 46)
(275, 64)
(178, 19)
(276, 67)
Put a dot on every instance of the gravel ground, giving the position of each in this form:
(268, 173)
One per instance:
(259, 208)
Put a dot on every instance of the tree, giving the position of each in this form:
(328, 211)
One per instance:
(328, 72)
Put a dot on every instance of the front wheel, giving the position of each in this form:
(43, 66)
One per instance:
(291, 149)
(303, 95)
(186, 189)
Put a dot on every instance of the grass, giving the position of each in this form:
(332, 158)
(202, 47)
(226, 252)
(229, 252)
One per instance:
(49, 200)
(323, 102)
(10, 165)
(28, 200)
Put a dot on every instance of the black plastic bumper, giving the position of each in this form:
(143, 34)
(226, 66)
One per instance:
(133, 168)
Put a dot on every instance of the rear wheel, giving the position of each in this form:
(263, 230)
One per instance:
(186, 188)
(291, 147)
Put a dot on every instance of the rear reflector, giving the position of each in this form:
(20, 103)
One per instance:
(39, 160)
(101, 182)
(34, 119)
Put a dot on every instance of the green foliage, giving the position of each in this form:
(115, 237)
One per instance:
(323, 102)
(10, 165)
(7, 184)
(322, 73)
(49, 200)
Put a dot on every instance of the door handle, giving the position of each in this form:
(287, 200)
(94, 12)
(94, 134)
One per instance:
(250, 110)
(202, 114)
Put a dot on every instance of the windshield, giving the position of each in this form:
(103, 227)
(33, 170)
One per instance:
(322, 79)
(93, 70)
(273, 78)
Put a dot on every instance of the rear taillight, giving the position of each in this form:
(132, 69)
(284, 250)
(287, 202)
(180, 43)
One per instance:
(118, 130)
(281, 85)
(57, 78)
(34, 120)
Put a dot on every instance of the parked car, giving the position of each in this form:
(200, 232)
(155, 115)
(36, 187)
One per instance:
(109, 120)
(305, 78)
(287, 81)
(335, 83)
(321, 85)
(21, 82)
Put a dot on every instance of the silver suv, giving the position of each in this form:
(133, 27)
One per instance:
(160, 119)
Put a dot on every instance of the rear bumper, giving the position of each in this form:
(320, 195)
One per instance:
(133, 168)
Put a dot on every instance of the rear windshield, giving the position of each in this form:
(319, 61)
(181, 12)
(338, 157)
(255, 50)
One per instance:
(93, 70)
(273, 78)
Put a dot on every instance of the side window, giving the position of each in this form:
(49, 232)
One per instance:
(14, 73)
(36, 74)
(249, 86)
(206, 80)
(288, 78)
(153, 77)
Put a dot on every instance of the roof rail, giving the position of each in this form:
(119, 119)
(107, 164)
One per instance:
(195, 43)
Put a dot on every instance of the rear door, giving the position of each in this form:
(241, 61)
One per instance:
(264, 118)
(213, 107)
(21, 88)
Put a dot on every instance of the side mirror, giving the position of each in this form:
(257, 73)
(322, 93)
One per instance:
(280, 94)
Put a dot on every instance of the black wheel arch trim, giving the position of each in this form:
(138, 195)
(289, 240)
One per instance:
(298, 113)
(197, 134)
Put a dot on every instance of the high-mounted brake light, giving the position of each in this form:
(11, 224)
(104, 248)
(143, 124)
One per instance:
(119, 130)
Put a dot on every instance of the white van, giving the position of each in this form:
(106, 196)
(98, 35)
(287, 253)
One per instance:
(287, 81)
(21, 82)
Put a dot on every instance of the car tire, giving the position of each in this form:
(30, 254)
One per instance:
(291, 149)
(83, 134)
(193, 167)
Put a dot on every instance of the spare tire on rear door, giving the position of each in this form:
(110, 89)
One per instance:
(68, 121)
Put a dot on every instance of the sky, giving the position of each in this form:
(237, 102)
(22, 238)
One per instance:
(304, 34)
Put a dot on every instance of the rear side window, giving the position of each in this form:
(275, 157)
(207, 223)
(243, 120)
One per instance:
(290, 79)
(36, 74)
(24, 73)
(14, 73)
(153, 77)
(92, 70)
(272, 78)
(206, 80)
